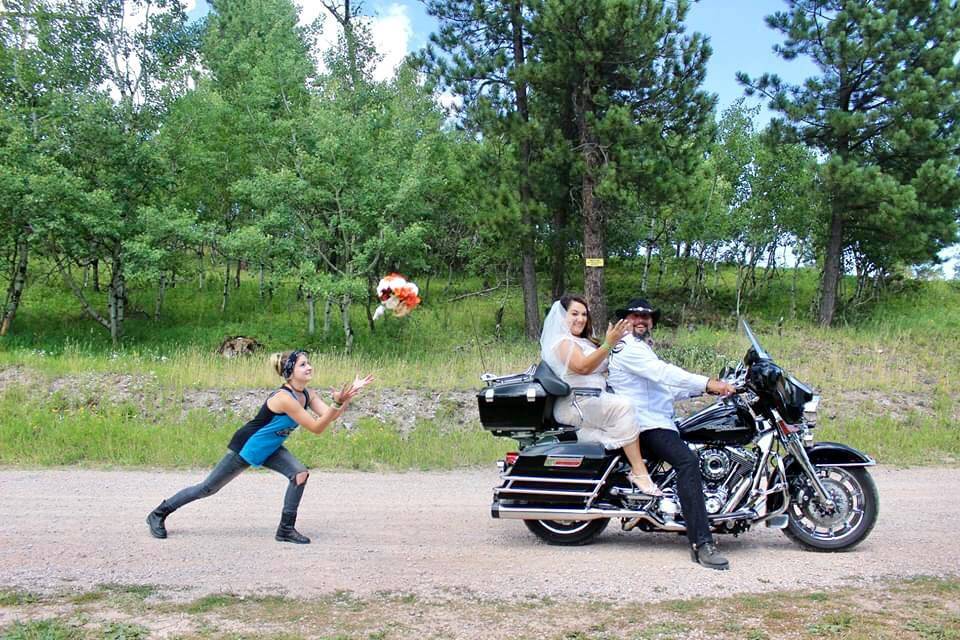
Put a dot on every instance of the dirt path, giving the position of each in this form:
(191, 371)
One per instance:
(420, 533)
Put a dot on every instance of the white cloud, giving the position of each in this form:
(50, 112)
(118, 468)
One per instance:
(391, 36)
(391, 32)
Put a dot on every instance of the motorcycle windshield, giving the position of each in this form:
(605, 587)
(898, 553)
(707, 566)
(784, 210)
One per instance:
(763, 355)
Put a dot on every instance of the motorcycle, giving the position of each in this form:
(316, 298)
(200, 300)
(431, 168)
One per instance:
(759, 462)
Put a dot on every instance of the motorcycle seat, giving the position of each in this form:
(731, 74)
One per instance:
(550, 381)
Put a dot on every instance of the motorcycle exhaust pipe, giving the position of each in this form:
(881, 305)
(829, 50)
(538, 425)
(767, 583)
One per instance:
(533, 513)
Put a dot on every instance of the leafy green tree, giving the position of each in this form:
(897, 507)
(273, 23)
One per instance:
(363, 191)
(143, 51)
(883, 113)
(48, 56)
(259, 64)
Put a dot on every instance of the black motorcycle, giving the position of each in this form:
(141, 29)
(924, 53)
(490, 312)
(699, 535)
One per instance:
(758, 459)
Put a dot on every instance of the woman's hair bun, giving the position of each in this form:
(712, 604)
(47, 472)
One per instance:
(277, 360)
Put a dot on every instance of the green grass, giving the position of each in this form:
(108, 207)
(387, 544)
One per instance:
(55, 431)
(10, 598)
(890, 371)
(51, 432)
(50, 629)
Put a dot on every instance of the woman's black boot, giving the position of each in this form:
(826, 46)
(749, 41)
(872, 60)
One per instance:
(156, 518)
(286, 532)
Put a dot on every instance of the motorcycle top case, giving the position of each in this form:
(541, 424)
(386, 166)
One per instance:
(514, 407)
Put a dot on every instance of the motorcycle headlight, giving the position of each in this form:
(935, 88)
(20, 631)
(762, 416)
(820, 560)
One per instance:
(810, 411)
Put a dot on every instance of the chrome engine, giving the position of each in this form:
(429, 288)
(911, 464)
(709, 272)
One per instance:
(723, 469)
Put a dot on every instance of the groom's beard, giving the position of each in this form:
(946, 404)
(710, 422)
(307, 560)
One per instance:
(644, 334)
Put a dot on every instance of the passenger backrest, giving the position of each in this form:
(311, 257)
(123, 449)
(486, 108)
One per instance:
(550, 381)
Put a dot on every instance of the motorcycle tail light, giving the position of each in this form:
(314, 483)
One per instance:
(511, 458)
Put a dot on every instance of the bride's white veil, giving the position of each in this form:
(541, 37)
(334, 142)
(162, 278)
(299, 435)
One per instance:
(555, 330)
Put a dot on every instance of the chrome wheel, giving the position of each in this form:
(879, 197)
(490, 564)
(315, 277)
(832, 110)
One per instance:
(847, 523)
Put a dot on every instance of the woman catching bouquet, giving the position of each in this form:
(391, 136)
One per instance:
(260, 443)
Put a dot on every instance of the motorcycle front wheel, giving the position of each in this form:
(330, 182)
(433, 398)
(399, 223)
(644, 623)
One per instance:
(857, 505)
(567, 533)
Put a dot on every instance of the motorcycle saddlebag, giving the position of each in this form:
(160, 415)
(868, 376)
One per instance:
(565, 473)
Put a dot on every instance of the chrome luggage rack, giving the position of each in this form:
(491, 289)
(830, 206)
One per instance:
(492, 380)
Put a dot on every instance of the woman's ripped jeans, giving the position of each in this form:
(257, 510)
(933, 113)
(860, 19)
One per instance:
(232, 465)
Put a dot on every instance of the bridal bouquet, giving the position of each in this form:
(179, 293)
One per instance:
(397, 295)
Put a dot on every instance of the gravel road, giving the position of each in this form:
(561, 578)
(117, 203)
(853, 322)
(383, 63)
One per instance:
(423, 533)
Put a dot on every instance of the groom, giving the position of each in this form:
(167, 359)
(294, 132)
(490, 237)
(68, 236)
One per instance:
(652, 385)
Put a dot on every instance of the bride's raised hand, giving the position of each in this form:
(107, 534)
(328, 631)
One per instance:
(615, 332)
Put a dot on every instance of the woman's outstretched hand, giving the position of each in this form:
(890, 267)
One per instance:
(350, 389)
(615, 332)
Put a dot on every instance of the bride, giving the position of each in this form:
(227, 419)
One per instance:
(569, 348)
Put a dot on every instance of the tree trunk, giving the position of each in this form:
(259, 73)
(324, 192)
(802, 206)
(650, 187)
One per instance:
(78, 292)
(796, 275)
(96, 275)
(771, 266)
(201, 271)
(832, 267)
(327, 313)
(237, 281)
(116, 298)
(371, 298)
(558, 261)
(594, 244)
(531, 311)
(311, 314)
(17, 284)
(347, 329)
(161, 291)
(594, 227)
(661, 269)
(648, 255)
(226, 287)
(260, 280)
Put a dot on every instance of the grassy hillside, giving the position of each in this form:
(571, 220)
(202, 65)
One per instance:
(888, 372)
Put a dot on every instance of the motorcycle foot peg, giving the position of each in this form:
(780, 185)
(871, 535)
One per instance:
(777, 522)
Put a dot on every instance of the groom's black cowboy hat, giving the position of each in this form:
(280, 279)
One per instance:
(638, 305)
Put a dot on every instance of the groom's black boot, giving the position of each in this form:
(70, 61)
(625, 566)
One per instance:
(707, 555)
(156, 518)
(286, 532)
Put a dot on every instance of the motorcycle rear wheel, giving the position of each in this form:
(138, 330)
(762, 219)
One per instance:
(567, 533)
(858, 502)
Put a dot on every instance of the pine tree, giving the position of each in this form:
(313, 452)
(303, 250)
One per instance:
(883, 112)
(633, 79)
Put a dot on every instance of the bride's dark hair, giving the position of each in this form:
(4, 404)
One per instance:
(588, 327)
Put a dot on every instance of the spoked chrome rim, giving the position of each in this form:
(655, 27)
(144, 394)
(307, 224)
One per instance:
(848, 513)
(565, 527)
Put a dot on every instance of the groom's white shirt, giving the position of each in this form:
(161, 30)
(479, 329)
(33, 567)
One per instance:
(651, 384)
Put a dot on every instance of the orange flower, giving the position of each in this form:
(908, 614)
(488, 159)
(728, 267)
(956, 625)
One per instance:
(397, 295)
